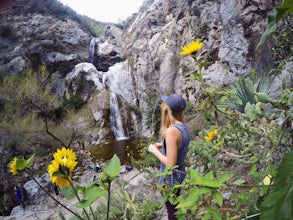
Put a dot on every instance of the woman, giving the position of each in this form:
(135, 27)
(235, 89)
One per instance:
(175, 136)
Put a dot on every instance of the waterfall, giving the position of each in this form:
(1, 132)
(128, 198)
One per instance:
(92, 50)
(135, 123)
(115, 118)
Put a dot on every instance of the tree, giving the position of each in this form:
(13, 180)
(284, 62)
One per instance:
(30, 108)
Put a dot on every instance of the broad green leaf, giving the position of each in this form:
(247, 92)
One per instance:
(205, 190)
(250, 111)
(190, 200)
(20, 164)
(253, 170)
(284, 9)
(218, 198)
(263, 190)
(112, 169)
(195, 176)
(274, 17)
(211, 183)
(224, 177)
(92, 194)
(207, 216)
(214, 213)
(270, 28)
(238, 182)
(209, 176)
(262, 97)
(29, 161)
(116, 211)
(67, 192)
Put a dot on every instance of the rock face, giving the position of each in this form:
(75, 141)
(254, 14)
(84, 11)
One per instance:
(143, 58)
(36, 39)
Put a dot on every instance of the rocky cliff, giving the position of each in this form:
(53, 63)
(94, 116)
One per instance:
(142, 57)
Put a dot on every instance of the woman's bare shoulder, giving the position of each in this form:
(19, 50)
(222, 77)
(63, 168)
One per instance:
(172, 130)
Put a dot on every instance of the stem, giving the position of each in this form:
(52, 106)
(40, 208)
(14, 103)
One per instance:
(27, 171)
(108, 205)
(209, 96)
(93, 213)
(77, 196)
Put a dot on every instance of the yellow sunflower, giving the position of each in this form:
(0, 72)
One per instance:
(191, 48)
(64, 162)
(211, 135)
(12, 166)
(65, 152)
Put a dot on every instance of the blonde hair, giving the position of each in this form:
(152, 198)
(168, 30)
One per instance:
(168, 118)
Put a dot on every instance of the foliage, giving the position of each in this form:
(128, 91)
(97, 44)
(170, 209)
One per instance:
(282, 38)
(249, 90)
(244, 126)
(278, 204)
(274, 17)
(200, 196)
(149, 160)
(73, 103)
(153, 112)
(30, 107)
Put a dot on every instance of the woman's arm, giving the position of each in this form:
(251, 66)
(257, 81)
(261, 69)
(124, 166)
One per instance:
(173, 137)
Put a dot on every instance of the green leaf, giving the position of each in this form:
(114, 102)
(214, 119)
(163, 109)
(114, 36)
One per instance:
(205, 190)
(270, 28)
(112, 169)
(274, 17)
(209, 176)
(250, 111)
(29, 162)
(20, 164)
(211, 183)
(224, 177)
(116, 211)
(203, 64)
(68, 192)
(195, 176)
(278, 203)
(190, 200)
(197, 75)
(215, 213)
(218, 198)
(284, 9)
(219, 145)
(238, 182)
(92, 194)
(263, 190)
(262, 97)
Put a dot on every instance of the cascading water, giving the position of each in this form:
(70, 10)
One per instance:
(92, 50)
(115, 118)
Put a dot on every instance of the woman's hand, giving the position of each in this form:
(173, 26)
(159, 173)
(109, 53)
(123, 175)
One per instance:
(154, 147)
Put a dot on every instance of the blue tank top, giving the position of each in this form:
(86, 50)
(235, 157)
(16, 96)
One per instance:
(179, 173)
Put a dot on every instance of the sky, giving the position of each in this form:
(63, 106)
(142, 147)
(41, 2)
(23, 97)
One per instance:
(113, 11)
